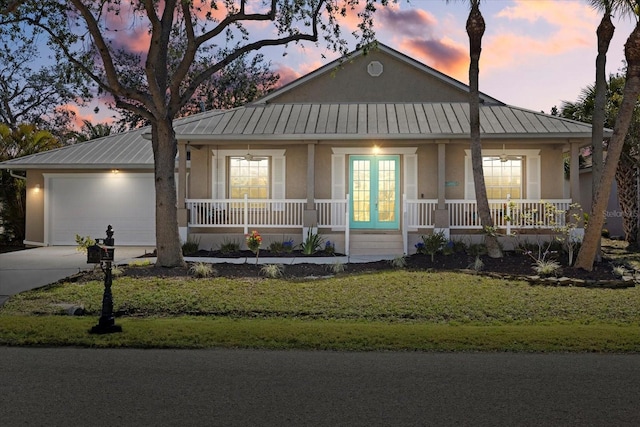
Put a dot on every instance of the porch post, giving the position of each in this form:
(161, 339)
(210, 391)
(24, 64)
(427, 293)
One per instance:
(310, 218)
(574, 186)
(182, 190)
(574, 172)
(441, 215)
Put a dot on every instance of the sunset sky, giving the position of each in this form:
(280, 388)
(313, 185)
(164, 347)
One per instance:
(536, 53)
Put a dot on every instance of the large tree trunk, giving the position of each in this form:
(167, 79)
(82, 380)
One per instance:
(475, 30)
(589, 247)
(627, 181)
(605, 33)
(165, 149)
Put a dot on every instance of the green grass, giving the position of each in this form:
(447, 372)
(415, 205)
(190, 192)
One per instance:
(399, 310)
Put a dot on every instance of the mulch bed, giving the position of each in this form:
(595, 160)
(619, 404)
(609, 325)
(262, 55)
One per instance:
(513, 265)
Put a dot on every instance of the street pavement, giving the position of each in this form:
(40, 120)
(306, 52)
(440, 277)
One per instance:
(33, 268)
(71, 386)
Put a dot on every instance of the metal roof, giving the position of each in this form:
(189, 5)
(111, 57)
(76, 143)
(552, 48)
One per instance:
(280, 122)
(124, 150)
(355, 121)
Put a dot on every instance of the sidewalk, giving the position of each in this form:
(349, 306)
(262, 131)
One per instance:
(33, 268)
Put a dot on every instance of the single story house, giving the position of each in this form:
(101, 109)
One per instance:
(371, 151)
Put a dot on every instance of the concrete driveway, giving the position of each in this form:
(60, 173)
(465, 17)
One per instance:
(33, 268)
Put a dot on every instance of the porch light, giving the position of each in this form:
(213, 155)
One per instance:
(115, 171)
(36, 189)
(376, 150)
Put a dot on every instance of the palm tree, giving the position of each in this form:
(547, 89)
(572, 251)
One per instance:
(25, 139)
(475, 30)
(588, 250)
(605, 34)
(91, 131)
(626, 175)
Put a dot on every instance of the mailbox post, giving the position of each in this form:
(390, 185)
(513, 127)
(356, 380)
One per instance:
(103, 254)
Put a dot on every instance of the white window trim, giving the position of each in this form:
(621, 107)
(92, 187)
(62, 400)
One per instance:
(532, 166)
(219, 170)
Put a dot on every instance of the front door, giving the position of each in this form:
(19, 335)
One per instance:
(374, 186)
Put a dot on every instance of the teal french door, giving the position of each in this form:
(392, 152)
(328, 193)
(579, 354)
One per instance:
(374, 185)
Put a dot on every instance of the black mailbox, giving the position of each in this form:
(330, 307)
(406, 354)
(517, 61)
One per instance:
(94, 254)
(98, 253)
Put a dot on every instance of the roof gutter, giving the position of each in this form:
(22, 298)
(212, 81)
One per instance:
(16, 176)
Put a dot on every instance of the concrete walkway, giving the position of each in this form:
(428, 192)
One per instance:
(33, 268)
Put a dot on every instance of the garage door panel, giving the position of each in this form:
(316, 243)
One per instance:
(86, 204)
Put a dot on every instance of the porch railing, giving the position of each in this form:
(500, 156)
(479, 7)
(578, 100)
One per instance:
(246, 213)
(334, 213)
(510, 213)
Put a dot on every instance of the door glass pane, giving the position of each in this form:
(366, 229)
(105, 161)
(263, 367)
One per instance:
(386, 190)
(361, 190)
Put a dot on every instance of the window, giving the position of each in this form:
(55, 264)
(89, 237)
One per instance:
(250, 177)
(502, 177)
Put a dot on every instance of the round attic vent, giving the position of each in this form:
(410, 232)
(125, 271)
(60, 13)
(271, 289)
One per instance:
(375, 68)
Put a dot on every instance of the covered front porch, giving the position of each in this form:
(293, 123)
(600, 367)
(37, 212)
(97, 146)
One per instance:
(293, 218)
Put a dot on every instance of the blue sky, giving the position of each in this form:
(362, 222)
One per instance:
(536, 53)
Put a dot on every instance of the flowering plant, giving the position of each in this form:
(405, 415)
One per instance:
(254, 240)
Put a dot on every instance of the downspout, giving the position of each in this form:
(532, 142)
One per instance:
(24, 178)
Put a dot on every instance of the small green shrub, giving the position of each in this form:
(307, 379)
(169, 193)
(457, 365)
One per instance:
(190, 247)
(459, 246)
(312, 244)
(202, 269)
(476, 265)
(117, 271)
(434, 243)
(83, 243)
(276, 247)
(329, 248)
(477, 249)
(337, 267)
(229, 247)
(272, 271)
(619, 270)
(399, 262)
(547, 268)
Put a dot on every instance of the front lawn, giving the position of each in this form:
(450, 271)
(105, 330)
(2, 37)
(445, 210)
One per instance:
(389, 310)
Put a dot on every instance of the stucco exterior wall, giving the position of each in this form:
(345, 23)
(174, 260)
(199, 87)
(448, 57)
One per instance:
(34, 223)
(200, 181)
(427, 171)
(352, 83)
(454, 172)
(296, 172)
(551, 172)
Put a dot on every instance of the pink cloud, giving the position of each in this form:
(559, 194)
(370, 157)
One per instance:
(286, 73)
(444, 57)
(412, 22)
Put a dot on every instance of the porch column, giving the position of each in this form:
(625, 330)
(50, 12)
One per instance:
(574, 190)
(441, 215)
(310, 214)
(574, 172)
(182, 190)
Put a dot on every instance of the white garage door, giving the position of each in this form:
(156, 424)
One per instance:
(86, 204)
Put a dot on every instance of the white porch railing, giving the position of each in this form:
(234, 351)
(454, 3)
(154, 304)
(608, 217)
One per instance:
(246, 213)
(334, 213)
(510, 213)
